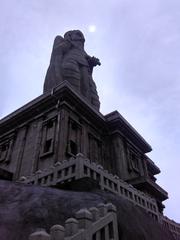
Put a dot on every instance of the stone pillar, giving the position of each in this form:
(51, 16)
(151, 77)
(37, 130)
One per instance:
(85, 218)
(111, 207)
(71, 227)
(95, 213)
(57, 232)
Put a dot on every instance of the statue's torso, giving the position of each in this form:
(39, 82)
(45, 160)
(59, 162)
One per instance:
(75, 56)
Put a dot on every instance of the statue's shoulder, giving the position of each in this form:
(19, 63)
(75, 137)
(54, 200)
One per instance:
(61, 43)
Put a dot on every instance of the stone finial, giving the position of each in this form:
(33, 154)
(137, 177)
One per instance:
(102, 209)
(80, 155)
(100, 167)
(95, 213)
(41, 234)
(57, 232)
(116, 177)
(23, 179)
(38, 172)
(87, 160)
(111, 207)
(93, 164)
(84, 217)
(57, 164)
(71, 227)
(64, 161)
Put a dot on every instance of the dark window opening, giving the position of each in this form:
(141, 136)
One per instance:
(94, 236)
(49, 124)
(85, 170)
(45, 179)
(51, 177)
(4, 151)
(4, 147)
(59, 174)
(74, 126)
(135, 161)
(111, 232)
(47, 146)
(102, 231)
(98, 177)
(91, 173)
(73, 147)
(73, 168)
(66, 171)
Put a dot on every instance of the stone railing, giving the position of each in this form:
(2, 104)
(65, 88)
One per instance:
(80, 167)
(96, 223)
(172, 226)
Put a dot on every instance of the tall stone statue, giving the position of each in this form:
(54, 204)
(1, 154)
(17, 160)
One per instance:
(70, 62)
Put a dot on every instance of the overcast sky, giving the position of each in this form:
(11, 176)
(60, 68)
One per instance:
(138, 43)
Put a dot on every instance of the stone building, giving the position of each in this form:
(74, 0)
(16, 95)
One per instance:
(64, 121)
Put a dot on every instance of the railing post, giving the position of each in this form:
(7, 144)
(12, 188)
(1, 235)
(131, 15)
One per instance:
(95, 214)
(71, 227)
(37, 173)
(102, 209)
(112, 209)
(40, 234)
(57, 232)
(79, 165)
(85, 218)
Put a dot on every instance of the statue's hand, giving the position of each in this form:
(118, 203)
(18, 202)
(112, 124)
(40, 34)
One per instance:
(95, 61)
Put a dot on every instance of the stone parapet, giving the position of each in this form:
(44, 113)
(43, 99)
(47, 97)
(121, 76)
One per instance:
(172, 226)
(79, 168)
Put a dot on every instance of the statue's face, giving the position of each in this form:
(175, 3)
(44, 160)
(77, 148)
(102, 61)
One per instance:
(77, 38)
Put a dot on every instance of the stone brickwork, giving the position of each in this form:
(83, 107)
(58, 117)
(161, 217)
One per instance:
(79, 168)
(89, 224)
(172, 226)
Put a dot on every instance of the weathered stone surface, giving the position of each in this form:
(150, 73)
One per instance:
(24, 208)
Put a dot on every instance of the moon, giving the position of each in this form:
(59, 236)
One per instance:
(92, 28)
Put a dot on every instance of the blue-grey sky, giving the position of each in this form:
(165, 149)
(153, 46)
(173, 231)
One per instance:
(138, 43)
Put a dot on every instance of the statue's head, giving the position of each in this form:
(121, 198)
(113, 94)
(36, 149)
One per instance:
(76, 37)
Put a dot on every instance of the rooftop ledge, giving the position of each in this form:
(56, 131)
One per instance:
(116, 120)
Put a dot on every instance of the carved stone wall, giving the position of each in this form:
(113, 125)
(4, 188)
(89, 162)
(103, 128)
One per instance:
(58, 125)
